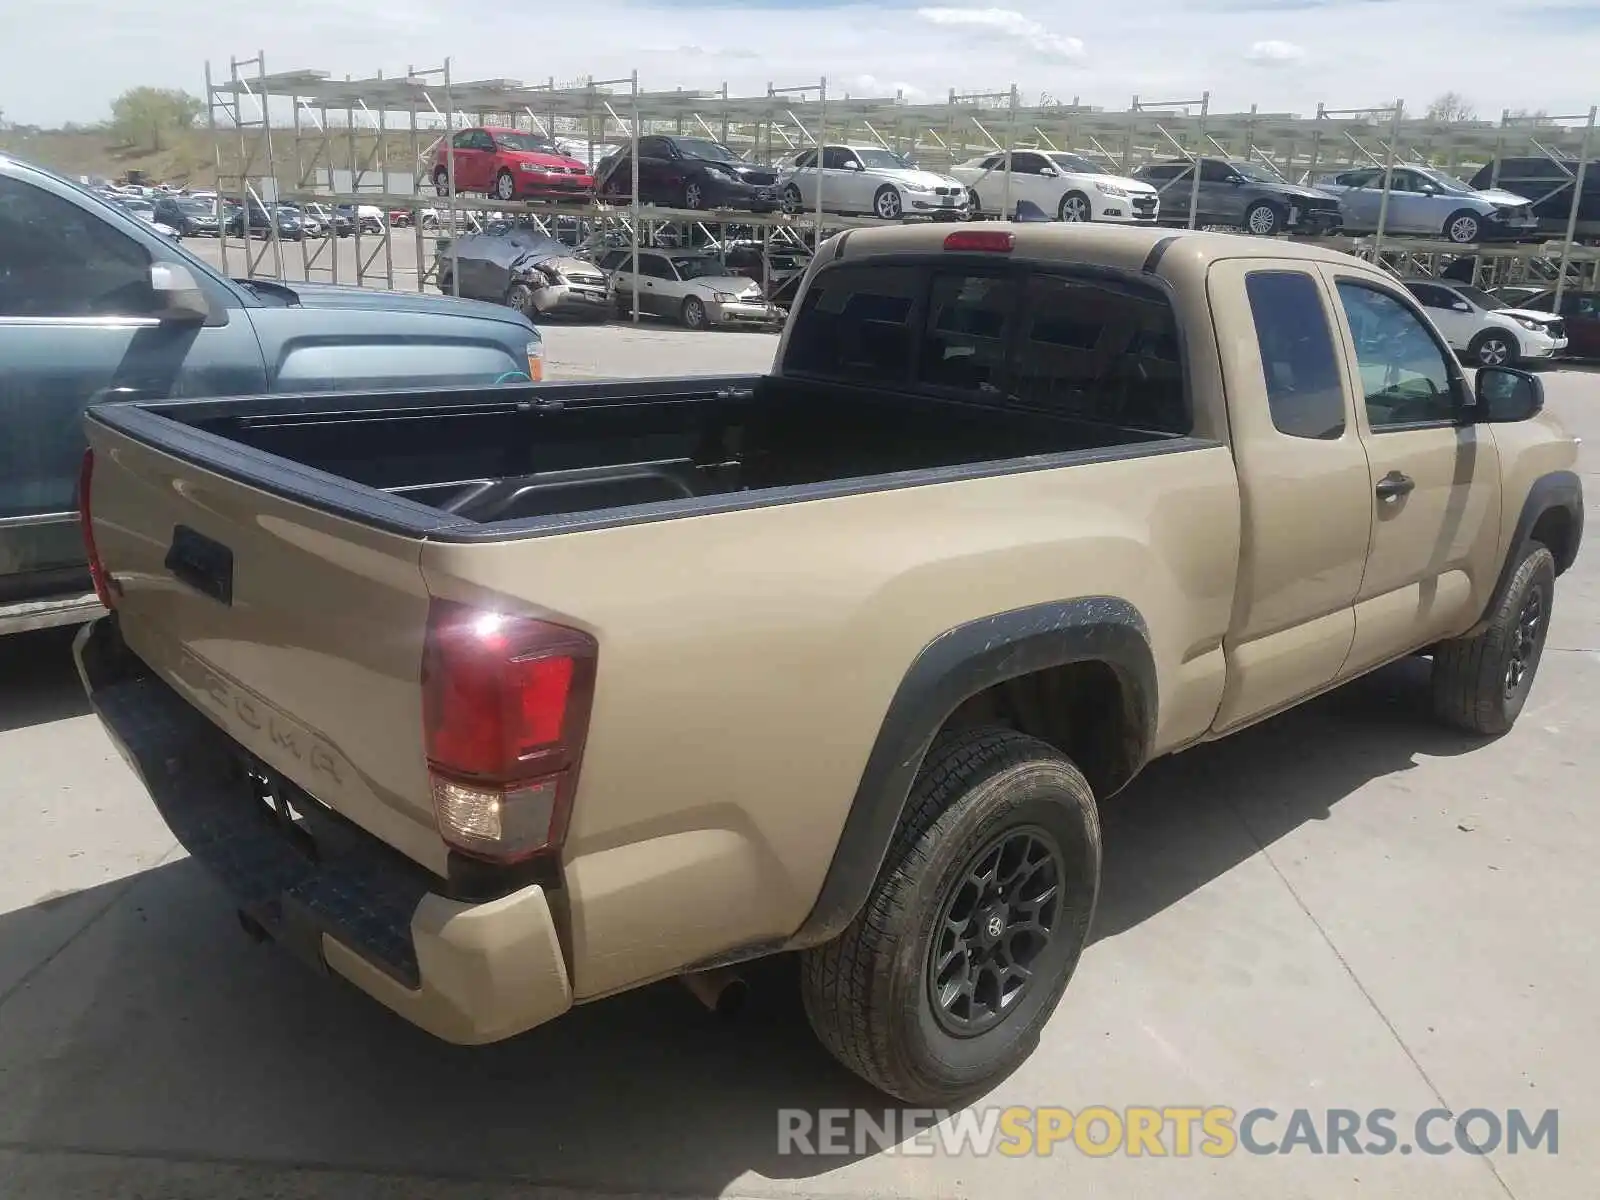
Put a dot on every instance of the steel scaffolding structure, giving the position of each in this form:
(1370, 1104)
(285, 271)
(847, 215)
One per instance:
(346, 131)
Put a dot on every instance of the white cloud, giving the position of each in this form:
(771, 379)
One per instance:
(870, 86)
(1006, 23)
(1272, 53)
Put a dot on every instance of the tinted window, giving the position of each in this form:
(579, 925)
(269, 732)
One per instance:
(1431, 295)
(1298, 362)
(1028, 164)
(654, 147)
(964, 345)
(808, 159)
(1100, 351)
(1161, 171)
(655, 266)
(1357, 179)
(1212, 171)
(836, 158)
(854, 323)
(56, 260)
(1404, 373)
(992, 162)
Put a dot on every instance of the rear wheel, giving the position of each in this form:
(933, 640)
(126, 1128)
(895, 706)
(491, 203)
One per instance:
(1075, 207)
(1481, 683)
(940, 985)
(441, 180)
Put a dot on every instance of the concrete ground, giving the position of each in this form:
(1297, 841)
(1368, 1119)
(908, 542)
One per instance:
(1344, 908)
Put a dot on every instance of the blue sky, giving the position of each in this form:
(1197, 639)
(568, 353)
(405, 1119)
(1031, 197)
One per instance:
(1284, 55)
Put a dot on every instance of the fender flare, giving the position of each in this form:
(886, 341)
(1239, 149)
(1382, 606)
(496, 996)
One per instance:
(955, 666)
(1557, 490)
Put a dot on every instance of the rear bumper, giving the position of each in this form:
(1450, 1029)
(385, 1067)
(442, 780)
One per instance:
(47, 614)
(332, 894)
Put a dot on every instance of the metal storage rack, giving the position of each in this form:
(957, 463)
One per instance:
(309, 131)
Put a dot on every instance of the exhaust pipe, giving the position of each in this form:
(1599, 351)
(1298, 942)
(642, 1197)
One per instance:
(722, 989)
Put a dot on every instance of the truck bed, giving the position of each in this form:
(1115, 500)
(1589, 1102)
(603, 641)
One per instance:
(492, 461)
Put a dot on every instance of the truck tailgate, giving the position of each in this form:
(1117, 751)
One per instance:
(298, 633)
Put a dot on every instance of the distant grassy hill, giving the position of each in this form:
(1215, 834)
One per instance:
(190, 160)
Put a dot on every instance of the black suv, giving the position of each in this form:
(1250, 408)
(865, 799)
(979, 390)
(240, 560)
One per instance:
(1549, 185)
(688, 172)
(1241, 194)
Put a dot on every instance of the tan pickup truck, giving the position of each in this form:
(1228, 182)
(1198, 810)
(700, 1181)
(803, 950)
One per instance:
(498, 701)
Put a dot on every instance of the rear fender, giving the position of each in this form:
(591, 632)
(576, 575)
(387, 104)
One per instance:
(955, 666)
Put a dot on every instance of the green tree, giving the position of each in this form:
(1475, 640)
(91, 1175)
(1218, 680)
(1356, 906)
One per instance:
(147, 117)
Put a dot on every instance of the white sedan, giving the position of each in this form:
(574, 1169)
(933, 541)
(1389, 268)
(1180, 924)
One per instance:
(1067, 186)
(868, 181)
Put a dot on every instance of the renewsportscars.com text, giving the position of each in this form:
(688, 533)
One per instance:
(1165, 1132)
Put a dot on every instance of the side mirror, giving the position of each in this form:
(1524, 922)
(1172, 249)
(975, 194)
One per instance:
(1236, 180)
(853, 165)
(1049, 172)
(1506, 394)
(1461, 306)
(178, 294)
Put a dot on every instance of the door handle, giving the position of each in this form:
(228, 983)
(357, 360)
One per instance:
(1394, 485)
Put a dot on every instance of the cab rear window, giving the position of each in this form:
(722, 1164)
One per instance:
(1076, 345)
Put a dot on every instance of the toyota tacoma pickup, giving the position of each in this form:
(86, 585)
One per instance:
(497, 701)
(96, 305)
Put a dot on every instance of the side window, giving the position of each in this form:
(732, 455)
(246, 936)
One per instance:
(1359, 179)
(463, 140)
(836, 158)
(855, 324)
(806, 160)
(993, 163)
(1431, 295)
(1027, 164)
(654, 147)
(1405, 376)
(1215, 171)
(965, 343)
(1298, 361)
(58, 260)
(656, 267)
(1099, 351)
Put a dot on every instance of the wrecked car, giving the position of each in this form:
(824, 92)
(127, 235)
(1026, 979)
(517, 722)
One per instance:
(522, 268)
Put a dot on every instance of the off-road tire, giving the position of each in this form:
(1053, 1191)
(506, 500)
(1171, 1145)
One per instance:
(867, 993)
(1471, 688)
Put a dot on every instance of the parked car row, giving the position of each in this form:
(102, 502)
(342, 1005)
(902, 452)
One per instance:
(542, 277)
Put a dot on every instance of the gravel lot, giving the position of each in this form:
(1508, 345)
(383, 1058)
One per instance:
(1342, 908)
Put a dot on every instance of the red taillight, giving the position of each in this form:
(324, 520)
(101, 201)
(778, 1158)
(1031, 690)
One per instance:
(505, 704)
(982, 241)
(97, 570)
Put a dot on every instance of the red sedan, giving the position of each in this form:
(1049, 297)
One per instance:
(509, 164)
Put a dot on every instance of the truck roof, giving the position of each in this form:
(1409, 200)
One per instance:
(1107, 245)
